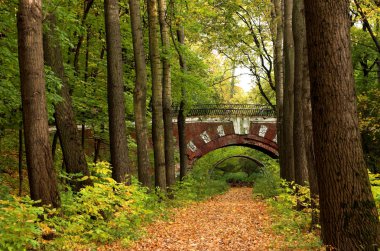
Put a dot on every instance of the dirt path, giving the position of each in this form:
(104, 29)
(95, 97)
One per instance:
(232, 221)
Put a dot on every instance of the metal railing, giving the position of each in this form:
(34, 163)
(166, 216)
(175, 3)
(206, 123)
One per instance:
(251, 110)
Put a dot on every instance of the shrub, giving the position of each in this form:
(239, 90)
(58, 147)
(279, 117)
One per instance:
(18, 224)
(101, 213)
(198, 185)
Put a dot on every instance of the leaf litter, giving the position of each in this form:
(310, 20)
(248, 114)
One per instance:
(231, 221)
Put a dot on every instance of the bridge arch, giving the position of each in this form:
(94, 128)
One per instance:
(213, 126)
(258, 163)
(252, 141)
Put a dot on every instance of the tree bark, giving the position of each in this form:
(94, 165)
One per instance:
(167, 95)
(279, 75)
(139, 95)
(157, 118)
(42, 177)
(349, 218)
(181, 120)
(20, 154)
(115, 91)
(299, 36)
(69, 137)
(287, 172)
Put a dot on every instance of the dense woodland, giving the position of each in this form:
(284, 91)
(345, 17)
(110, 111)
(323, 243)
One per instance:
(87, 153)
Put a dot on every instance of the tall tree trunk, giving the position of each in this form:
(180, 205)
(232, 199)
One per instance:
(309, 142)
(167, 95)
(232, 87)
(278, 33)
(300, 41)
(299, 35)
(181, 120)
(349, 218)
(42, 177)
(20, 153)
(69, 137)
(115, 91)
(157, 119)
(139, 95)
(287, 172)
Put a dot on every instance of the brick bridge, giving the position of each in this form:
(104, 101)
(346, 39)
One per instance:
(210, 127)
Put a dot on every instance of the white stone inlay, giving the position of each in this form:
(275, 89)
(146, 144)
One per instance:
(263, 130)
(221, 132)
(205, 137)
(241, 125)
(192, 146)
(275, 139)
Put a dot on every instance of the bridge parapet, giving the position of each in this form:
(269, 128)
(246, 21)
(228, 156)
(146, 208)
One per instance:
(247, 110)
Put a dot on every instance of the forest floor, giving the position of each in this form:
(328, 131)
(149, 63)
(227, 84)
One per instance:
(231, 221)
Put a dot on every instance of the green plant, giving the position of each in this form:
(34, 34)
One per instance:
(101, 213)
(18, 224)
(375, 185)
(283, 198)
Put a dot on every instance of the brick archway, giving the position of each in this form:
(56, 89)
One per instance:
(251, 141)
(205, 136)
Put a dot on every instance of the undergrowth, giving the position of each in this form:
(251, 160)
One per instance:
(294, 225)
(98, 214)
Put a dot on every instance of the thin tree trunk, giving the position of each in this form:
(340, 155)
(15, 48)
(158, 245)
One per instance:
(87, 7)
(115, 91)
(181, 121)
(287, 128)
(299, 35)
(54, 145)
(139, 95)
(42, 177)
(83, 131)
(232, 87)
(96, 149)
(279, 76)
(349, 218)
(69, 137)
(309, 143)
(20, 153)
(167, 95)
(157, 118)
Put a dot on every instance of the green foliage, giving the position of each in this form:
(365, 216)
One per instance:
(18, 223)
(283, 199)
(101, 213)
(375, 185)
(198, 185)
(268, 183)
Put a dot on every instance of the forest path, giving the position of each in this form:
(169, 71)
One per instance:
(231, 221)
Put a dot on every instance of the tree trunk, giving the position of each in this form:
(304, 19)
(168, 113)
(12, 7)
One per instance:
(232, 87)
(349, 218)
(139, 95)
(287, 172)
(167, 95)
(278, 33)
(54, 145)
(181, 120)
(157, 118)
(69, 137)
(20, 153)
(299, 35)
(42, 177)
(115, 91)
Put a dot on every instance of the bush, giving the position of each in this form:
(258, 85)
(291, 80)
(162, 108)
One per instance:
(18, 224)
(284, 198)
(375, 184)
(198, 185)
(101, 213)
(268, 183)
